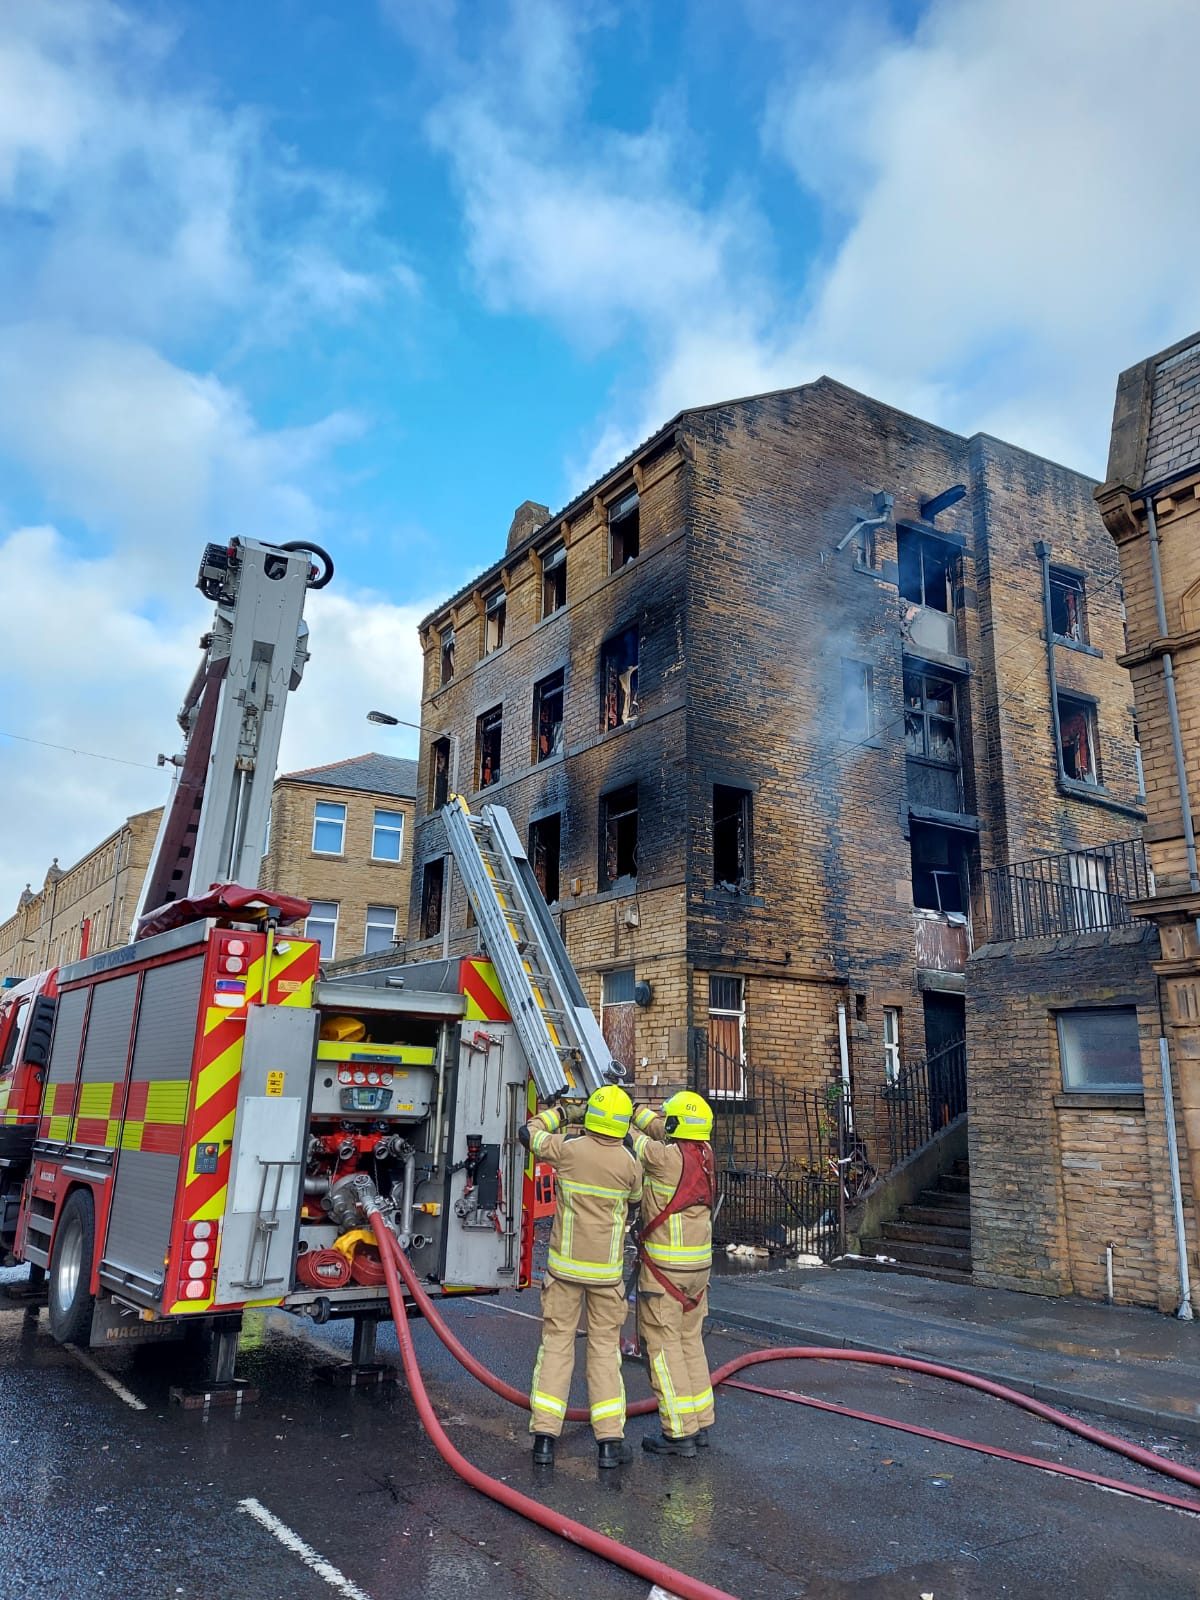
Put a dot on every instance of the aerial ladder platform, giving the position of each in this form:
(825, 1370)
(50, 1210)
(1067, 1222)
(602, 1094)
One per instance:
(563, 1044)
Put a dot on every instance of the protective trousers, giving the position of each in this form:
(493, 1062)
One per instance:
(561, 1305)
(673, 1342)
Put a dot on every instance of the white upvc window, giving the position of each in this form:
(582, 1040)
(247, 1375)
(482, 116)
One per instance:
(726, 1037)
(891, 1044)
(387, 840)
(329, 828)
(381, 929)
(322, 925)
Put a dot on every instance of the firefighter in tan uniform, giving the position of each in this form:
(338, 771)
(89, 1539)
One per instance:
(596, 1180)
(675, 1249)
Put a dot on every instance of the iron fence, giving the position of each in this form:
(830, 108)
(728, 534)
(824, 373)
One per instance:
(1078, 891)
(775, 1148)
(922, 1100)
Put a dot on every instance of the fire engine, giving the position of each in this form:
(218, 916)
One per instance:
(189, 1124)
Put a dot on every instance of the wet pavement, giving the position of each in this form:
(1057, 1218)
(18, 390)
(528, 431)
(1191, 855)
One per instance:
(1116, 1361)
(105, 1500)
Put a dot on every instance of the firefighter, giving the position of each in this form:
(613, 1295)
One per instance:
(596, 1179)
(675, 1252)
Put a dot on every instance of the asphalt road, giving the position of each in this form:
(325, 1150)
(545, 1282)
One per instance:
(102, 1499)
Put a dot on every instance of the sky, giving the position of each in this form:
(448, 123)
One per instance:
(374, 272)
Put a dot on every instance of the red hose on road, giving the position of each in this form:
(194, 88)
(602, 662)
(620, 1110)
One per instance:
(754, 1358)
(678, 1583)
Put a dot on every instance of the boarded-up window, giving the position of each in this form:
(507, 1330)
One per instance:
(731, 837)
(548, 717)
(619, 835)
(545, 844)
(618, 1014)
(619, 662)
(726, 1037)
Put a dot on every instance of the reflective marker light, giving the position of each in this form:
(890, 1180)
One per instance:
(200, 1250)
(236, 947)
(232, 964)
(197, 1269)
(200, 1230)
(193, 1291)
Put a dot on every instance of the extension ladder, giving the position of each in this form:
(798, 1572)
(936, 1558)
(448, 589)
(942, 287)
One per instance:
(561, 1038)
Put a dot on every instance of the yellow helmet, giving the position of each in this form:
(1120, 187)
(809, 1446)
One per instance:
(691, 1114)
(608, 1111)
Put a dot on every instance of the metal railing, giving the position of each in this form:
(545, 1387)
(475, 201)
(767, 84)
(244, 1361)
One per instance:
(924, 1098)
(1079, 891)
(772, 1143)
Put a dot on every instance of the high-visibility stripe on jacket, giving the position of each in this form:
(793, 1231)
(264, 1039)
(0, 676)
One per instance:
(683, 1243)
(596, 1180)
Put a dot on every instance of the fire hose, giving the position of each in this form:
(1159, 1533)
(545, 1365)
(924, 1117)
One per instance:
(397, 1266)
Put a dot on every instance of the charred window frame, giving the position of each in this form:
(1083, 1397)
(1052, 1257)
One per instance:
(930, 717)
(447, 655)
(926, 569)
(554, 579)
(731, 832)
(545, 854)
(489, 729)
(495, 609)
(1078, 740)
(858, 700)
(548, 698)
(619, 674)
(939, 869)
(624, 530)
(439, 774)
(1068, 605)
(432, 886)
(618, 835)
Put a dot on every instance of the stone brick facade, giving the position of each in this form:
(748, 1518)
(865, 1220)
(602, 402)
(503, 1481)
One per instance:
(782, 775)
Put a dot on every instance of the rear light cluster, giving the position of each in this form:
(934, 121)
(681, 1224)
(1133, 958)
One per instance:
(199, 1261)
(359, 1075)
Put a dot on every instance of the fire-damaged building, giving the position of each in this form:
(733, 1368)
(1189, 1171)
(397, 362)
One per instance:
(766, 702)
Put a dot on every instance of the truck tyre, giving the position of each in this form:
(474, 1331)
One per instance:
(71, 1300)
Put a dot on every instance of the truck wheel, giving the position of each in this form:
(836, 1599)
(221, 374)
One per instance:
(70, 1299)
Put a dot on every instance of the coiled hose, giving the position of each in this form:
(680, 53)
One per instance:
(679, 1583)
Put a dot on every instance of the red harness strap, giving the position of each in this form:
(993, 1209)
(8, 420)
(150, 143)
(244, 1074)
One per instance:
(697, 1186)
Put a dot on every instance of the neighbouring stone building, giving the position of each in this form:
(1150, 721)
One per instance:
(767, 701)
(1094, 964)
(340, 836)
(82, 909)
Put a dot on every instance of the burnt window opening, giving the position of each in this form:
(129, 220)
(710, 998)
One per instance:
(1068, 605)
(1077, 740)
(930, 723)
(431, 898)
(731, 837)
(488, 729)
(858, 711)
(554, 579)
(439, 787)
(619, 835)
(495, 608)
(548, 717)
(926, 569)
(619, 660)
(864, 547)
(545, 854)
(939, 869)
(447, 671)
(624, 530)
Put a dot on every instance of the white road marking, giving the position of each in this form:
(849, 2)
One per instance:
(661, 1594)
(495, 1306)
(311, 1558)
(106, 1378)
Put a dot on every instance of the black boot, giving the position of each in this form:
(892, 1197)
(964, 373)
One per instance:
(664, 1445)
(702, 1439)
(614, 1452)
(543, 1450)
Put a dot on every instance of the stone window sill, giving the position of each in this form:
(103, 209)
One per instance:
(1080, 1100)
(1078, 644)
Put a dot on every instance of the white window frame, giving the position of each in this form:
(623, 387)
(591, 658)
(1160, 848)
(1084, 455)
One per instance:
(740, 1013)
(396, 827)
(891, 1044)
(338, 822)
(379, 922)
(323, 922)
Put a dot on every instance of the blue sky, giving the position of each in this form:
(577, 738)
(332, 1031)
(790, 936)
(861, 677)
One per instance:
(376, 271)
